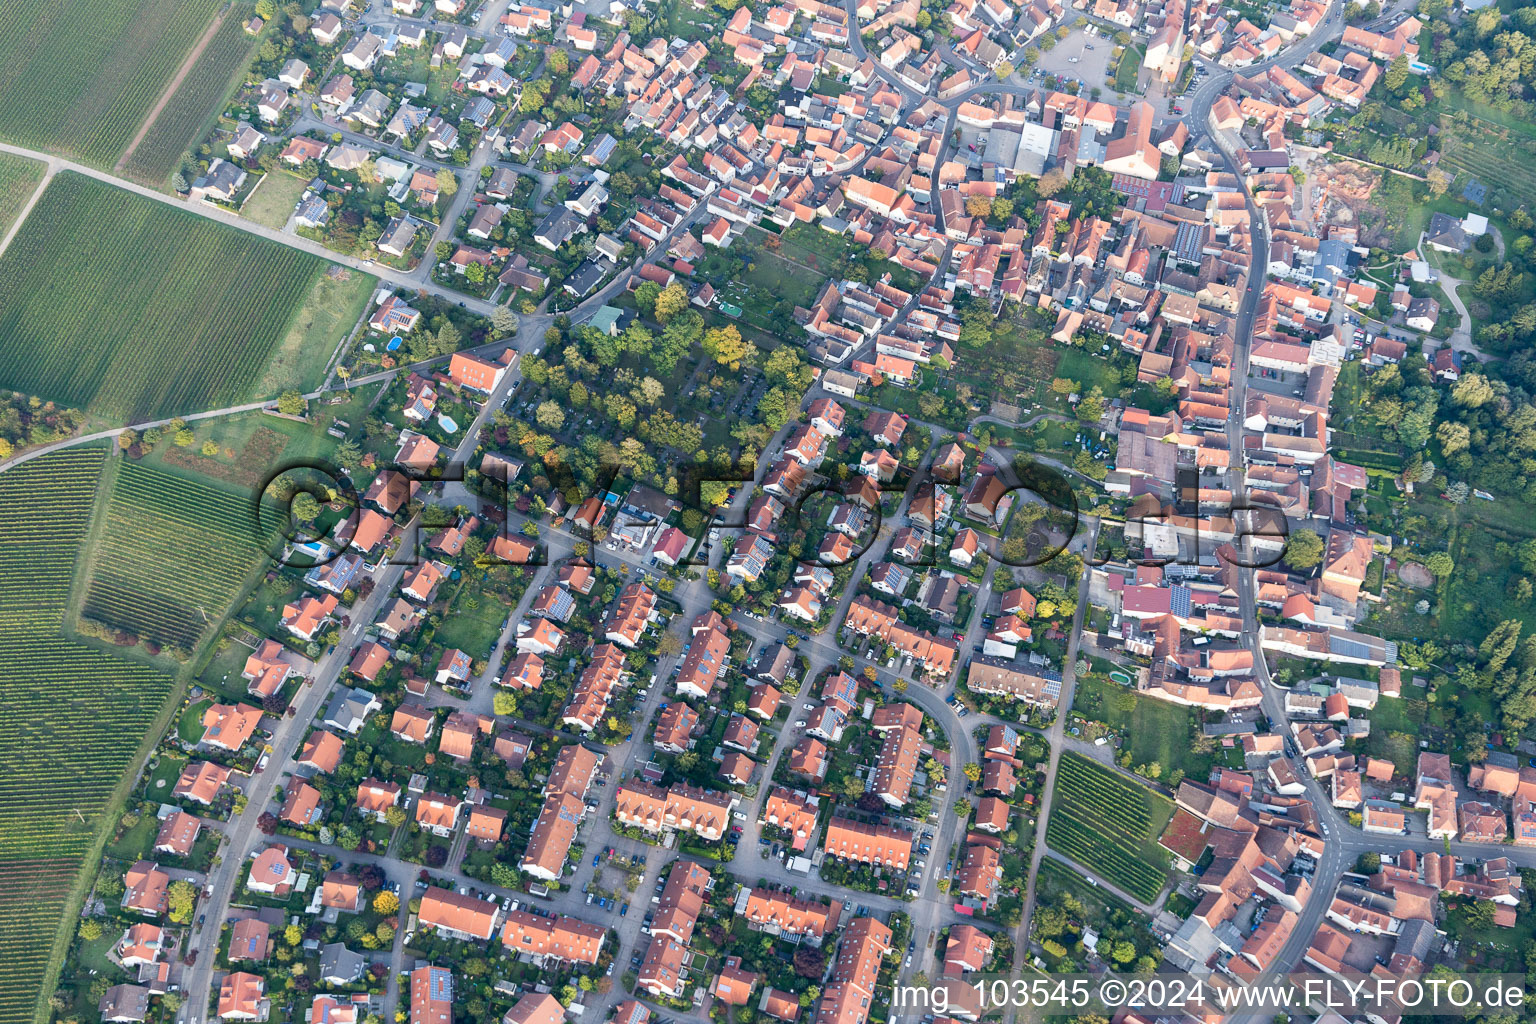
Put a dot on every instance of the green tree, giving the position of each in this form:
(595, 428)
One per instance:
(1092, 406)
(447, 339)
(180, 899)
(1453, 437)
(503, 321)
(447, 182)
(671, 301)
(1480, 914)
(645, 297)
(1303, 550)
(304, 507)
(726, 346)
(549, 415)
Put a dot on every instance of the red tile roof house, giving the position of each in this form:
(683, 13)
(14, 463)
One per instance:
(341, 891)
(734, 985)
(229, 726)
(458, 916)
(304, 618)
(301, 804)
(413, 723)
(201, 782)
(437, 814)
(471, 371)
(271, 872)
(146, 888)
(177, 834)
(265, 669)
(250, 939)
(453, 667)
(375, 798)
(485, 823)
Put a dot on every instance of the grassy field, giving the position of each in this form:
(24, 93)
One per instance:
(78, 77)
(18, 178)
(76, 716)
(272, 203)
(1109, 824)
(327, 316)
(1156, 730)
(196, 101)
(171, 555)
(177, 314)
(1129, 68)
(252, 445)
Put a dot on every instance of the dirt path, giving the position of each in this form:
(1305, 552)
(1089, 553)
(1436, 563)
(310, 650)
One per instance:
(25, 211)
(170, 90)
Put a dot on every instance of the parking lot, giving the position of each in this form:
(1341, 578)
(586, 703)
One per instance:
(1072, 58)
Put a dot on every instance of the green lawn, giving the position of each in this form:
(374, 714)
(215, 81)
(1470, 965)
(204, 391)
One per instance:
(252, 444)
(784, 278)
(162, 778)
(273, 201)
(473, 622)
(1156, 730)
(135, 842)
(1055, 877)
(1129, 68)
(190, 725)
(1489, 947)
(321, 324)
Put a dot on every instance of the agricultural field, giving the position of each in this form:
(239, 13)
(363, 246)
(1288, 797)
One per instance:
(74, 713)
(190, 110)
(171, 555)
(132, 310)
(47, 505)
(1109, 824)
(32, 897)
(18, 178)
(78, 78)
